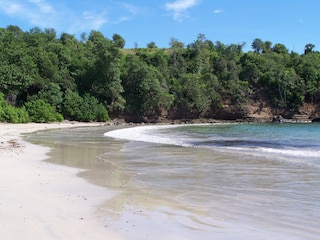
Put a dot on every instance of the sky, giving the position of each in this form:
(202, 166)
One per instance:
(293, 23)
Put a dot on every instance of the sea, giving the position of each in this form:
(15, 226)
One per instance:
(206, 181)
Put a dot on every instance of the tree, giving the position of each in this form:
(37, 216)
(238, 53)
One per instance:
(280, 48)
(83, 37)
(251, 68)
(71, 105)
(308, 48)
(17, 32)
(52, 94)
(152, 45)
(146, 92)
(309, 72)
(193, 99)
(175, 46)
(17, 69)
(267, 47)
(102, 77)
(51, 34)
(200, 54)
(257, 45)
(118, 41)
(66, 37)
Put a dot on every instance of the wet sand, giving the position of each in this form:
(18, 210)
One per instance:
(40, 200)
(133, 211)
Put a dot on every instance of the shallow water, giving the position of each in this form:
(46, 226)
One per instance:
(201, 182)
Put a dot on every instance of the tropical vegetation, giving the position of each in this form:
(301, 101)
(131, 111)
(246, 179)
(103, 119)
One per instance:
(45, 77)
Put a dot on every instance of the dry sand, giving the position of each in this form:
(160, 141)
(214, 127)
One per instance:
(44, 201)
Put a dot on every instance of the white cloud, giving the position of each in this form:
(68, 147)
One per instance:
(64, 18)
(130, 8)
(128, 11)
(180, 7)
(43, 6)
(10, 9)
(94, 20)
(216, 11)
(41, 13)
(36, 12)
(120, 20)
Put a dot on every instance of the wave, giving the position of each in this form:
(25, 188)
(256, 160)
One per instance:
(276, 152)
(145, 134)
(155, 134)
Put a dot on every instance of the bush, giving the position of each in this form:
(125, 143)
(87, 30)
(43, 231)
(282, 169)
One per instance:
(92, 110)
(86, 108)
(71, 105)
(101, 113)
(11, 114)
(53, 95)
(15, 115)
(40, 111)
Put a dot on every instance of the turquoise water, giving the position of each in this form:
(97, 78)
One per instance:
(286, 141)
(221, 181)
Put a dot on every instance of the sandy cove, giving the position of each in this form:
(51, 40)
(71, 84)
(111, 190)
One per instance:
(40, 200)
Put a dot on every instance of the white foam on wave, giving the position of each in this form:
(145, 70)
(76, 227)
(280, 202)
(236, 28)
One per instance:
(294, 152)
(145, 134)
(309, 153)
(295, 156)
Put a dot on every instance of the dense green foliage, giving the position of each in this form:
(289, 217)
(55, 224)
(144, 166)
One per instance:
(46, 78)
(12, 114)
(41, 111)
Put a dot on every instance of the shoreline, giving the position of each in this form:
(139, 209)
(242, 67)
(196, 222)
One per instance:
(41, 200)
(46, 200)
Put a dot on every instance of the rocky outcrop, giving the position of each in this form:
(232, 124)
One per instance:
(263, 112)
(258, 111)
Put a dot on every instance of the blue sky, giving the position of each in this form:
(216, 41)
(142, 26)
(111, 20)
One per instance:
(293, 23)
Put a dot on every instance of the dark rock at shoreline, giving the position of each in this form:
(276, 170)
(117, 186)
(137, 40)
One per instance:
(277, 119)
(317, 120)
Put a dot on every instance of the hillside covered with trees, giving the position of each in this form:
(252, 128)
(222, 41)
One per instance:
(45, 77)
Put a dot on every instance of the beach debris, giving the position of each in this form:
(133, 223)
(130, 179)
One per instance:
(14, 143)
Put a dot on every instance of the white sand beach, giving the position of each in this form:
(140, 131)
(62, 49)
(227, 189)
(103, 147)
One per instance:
(40, 200)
